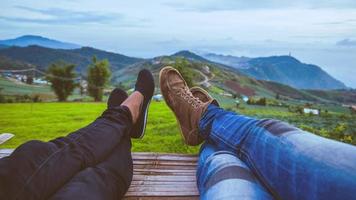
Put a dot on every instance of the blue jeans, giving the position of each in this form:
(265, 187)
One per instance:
(270, 159)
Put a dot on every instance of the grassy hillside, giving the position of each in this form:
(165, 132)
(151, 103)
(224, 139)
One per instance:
(11, 88)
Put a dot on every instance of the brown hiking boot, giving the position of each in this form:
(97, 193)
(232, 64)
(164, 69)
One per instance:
(187, 108)
(203, 95)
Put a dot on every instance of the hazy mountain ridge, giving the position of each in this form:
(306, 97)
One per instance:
(3, 46)
(42, 57)
(233, 61)
(283, 69)
(290, 71)
(28, 40)
(190, 56)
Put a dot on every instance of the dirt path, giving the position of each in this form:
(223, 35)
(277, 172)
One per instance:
(206, 78)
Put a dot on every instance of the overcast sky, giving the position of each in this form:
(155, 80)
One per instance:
(321, 32)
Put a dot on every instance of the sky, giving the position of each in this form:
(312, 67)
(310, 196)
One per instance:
(321, 32)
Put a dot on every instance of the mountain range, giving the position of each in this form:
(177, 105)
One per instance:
(283, 69)
(28, 40)
(265, 76)
(42, 57)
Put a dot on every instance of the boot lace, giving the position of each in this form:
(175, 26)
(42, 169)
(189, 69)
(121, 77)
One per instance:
(188, 96)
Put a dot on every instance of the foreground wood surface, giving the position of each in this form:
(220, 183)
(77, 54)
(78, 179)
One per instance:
(159, 176)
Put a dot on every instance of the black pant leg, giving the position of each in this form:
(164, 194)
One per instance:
(107, 180)
(36, 170)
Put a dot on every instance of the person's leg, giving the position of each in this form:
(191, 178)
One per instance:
(221, 175)
(291, 163)
(109, 179)
(36, 169)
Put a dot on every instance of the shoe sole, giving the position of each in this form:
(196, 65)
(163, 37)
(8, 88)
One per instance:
(165, 98)
(144, 123)
(145, 120)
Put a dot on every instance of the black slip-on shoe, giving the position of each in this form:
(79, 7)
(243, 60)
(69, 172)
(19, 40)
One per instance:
(145, 85)
(117, 96)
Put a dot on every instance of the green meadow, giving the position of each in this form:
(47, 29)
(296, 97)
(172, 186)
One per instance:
(45, 121)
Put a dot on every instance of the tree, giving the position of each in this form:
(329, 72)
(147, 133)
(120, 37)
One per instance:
(184, 67)
(61, 76)
(98, 76)
(2, 97)
(29, 80)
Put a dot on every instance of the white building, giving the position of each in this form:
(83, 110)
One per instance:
(311, 111)
(245, 98)
(206, 69)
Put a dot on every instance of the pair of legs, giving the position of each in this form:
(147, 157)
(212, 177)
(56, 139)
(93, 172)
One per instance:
(246, 158)
(91, 163)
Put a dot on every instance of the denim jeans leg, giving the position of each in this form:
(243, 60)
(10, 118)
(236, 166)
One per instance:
(221, 175)
(289, 162)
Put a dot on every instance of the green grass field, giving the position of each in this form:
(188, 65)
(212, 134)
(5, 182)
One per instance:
(45, 121)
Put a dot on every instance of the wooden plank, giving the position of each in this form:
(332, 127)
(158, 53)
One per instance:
(165, 170)
(164, 157)
(177, 183)
(164, 178)
(161, 198)
(158, 162)
(5, 137)
(159, 176)
(160, 188)
(191, 167)
(168, 194)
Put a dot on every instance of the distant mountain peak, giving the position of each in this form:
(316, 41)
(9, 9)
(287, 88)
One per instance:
(229, 60)
(28, 40)
(280, 68)
(281, 58)
(189, 55)
(289, 70)
(31, 37)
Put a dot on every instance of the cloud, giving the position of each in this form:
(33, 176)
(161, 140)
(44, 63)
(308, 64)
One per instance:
(55, 16)
(347, 42)
(342, 22)
(231, 5)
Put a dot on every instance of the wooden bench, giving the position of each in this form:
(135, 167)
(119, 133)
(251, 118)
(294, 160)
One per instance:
(159, 176)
